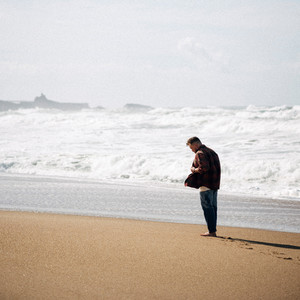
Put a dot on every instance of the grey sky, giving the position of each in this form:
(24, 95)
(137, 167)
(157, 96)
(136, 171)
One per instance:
(160, 53)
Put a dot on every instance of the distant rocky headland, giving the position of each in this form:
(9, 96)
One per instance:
(41, 102)
(137, 107)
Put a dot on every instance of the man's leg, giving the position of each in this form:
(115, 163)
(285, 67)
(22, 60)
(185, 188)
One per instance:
(209, 206)
(215, 196)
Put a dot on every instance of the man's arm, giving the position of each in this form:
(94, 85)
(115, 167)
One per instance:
(201, 163)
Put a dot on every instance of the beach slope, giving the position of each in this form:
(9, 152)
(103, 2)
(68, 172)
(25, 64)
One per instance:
(48, 256)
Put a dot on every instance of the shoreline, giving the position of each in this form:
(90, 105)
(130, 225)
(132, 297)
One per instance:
(143, 202)
(136, 219)
(47, 256)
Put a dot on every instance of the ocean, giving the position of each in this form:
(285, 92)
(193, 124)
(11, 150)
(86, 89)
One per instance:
(259, 147)
(131, 162)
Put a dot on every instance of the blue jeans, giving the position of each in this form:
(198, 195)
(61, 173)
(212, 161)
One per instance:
(209, 206)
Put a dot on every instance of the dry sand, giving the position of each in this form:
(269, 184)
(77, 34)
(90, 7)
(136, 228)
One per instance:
(47, 256)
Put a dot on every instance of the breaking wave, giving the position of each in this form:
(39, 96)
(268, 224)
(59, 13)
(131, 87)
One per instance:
(258, 146)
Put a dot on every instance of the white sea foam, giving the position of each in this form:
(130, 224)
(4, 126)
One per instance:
(258, 146)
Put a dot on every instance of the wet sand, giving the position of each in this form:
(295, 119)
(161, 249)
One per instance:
(49, 256)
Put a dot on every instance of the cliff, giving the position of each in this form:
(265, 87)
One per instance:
(41, 102)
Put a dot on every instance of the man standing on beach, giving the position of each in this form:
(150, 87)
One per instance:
(206, 175)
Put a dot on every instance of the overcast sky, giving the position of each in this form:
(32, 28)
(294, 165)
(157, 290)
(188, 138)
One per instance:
(160, 53)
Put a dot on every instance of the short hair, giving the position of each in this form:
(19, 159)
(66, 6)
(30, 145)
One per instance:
(193, 140)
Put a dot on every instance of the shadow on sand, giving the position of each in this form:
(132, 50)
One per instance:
(261, 243)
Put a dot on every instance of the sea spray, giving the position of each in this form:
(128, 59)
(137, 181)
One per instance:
(259, 147)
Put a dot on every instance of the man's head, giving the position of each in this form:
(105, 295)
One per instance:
(194, 143)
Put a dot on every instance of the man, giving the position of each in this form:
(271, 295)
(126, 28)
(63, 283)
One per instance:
(206, 175)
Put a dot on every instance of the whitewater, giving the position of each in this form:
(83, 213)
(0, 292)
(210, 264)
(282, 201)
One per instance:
(258, 147)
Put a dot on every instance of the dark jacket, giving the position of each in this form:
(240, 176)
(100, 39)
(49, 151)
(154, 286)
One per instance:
(209, 174)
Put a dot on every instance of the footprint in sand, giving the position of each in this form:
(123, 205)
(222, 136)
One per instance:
(286, 258)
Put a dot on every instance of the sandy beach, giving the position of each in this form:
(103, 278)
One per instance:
(51, 256)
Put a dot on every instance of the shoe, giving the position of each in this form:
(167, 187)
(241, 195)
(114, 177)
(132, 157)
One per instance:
(213, 234)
